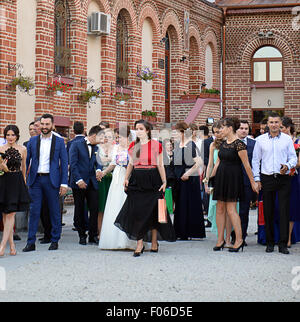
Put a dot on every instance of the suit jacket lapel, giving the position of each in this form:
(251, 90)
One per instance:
(38, 146)
(52, 147)
(87, 148)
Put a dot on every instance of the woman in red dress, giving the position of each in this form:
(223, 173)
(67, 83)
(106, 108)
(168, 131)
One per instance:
(145, 183)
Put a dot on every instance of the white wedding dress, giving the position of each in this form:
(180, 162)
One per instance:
(112, 237)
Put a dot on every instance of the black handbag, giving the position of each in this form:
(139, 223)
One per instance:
(211, 182)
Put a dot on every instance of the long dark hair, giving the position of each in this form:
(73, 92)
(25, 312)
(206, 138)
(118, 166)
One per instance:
(13, 128)
(137, 145)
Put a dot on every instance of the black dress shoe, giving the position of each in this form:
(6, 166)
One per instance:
(283, 250)
(53, 246)
(45, 241)
(29, 248)
(270, 249)
(93, 240)
(17, 237)
(82, 240)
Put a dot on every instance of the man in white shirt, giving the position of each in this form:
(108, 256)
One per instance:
(273, 158)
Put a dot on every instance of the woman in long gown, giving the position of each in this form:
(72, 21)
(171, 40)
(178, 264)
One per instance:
(111, 237)
(228, 186)
(138, 217)
(105, 152)
(14, 194)
(188, 215)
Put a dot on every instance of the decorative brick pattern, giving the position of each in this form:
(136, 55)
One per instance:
(205, 26)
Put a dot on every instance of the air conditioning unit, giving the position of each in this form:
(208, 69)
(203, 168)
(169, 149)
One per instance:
(99, 24)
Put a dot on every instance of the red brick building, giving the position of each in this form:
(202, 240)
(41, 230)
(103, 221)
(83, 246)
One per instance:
(185, 42)
(261, 58)
(50, 39)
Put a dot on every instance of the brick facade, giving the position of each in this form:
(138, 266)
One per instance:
(165, 16)
(242, 27)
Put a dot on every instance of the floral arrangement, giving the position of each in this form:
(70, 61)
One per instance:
(297, 148)
(122, 97)
(146, 74)
(58, 87)
(149, 113)
(210, 91)
(90, 95)
(293, 171)
(24, 83)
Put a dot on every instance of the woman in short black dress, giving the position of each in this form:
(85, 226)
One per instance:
(228, 181)
(138, 217)
(14, 194)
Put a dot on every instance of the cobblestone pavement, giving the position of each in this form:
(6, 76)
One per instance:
(181, 271)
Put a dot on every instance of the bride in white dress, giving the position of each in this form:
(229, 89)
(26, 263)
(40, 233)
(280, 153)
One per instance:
(112, 237)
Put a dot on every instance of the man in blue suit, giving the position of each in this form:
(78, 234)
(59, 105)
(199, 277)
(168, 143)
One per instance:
(85, 172)
(78, 129)
(48, 178)
(242, 134)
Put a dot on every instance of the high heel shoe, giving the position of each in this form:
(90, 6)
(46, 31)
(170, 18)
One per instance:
(2, 252)
(236, 250)
(137, 254)
(218, 248)
(154, 250)
(13, 252)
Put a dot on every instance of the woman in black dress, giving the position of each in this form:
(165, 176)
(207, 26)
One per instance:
(228, 182)
(14, 194)
(188, 215)
(145, 182)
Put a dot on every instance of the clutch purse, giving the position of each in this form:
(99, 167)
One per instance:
(211, 182)
(162, 211)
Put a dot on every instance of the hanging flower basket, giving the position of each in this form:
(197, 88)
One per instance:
(24, 83)
(146, 74)
(122, 98)
(90, 95)
(58, 88)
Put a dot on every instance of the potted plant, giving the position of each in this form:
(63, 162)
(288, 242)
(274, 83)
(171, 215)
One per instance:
(152, 116)
(210, 92)
(24, 83)
(190, 96)
(90, 95)
(59, 88)
(146, 74)
(122, 98)
(149, 116)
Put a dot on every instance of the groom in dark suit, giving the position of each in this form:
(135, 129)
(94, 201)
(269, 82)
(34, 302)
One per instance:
(84, 176)
(48, 178)
(242, 134)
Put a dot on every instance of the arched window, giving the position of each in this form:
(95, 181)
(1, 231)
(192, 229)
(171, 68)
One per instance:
(209, 66)
(267, 65)
(62, 52)
(122, 51)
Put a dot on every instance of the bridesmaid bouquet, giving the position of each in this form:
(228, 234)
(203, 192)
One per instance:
(297, 149)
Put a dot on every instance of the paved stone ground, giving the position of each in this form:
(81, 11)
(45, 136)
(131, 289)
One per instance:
(181, 271)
